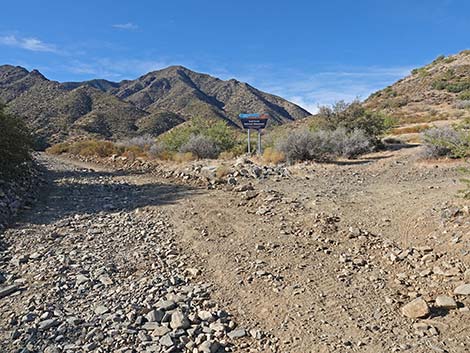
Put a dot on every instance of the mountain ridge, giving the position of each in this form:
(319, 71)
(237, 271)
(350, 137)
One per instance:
(153, 103)
(439, 90)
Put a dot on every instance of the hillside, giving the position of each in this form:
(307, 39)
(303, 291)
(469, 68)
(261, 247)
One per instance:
(438, 91)
(153, 103)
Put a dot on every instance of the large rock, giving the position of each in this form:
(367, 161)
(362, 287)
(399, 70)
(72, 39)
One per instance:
(179, 320)
(208, 347)
(417, 308)
(463, 289)
(444, 301)
(237, 333)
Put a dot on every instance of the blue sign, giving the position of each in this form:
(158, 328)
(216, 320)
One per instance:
(254, 121)
(247, 116)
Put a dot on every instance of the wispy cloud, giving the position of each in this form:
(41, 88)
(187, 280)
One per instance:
(114, 69)
(129, 26)
(27, 43)
(309, 90)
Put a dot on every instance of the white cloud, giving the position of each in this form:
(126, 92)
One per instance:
(32, 44)
(129, 26)
(309, 90)
(115, 69)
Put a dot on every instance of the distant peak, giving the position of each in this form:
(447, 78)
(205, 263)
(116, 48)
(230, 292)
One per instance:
(12, 67)
(36, 73)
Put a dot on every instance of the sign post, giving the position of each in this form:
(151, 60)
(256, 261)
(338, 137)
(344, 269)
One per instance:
(249, 142)
(257, 122)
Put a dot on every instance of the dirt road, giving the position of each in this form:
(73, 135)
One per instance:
(320, 262)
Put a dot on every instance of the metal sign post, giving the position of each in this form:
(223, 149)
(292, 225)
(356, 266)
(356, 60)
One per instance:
(249, 142)
(257, 122)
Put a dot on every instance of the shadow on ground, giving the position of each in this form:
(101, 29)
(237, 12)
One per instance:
(83, 191)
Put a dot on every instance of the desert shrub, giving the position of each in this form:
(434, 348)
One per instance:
(465, 95)
(298, 146)
(227, 155)
(58, 148)
(271, 155)
(462, 104)
(174, 139)
(200, 146)
(410, 129)
(144, 142)
(352, 116)
(219, 132)
(94, 148)
(441, 142)
(349, 144)
(465, 192)
(87, 148)
(422, 72)
(158, 151)
(322, 145)
(389, 122)
(439, 84)
(183, 157)
(458, 86)
(15, 145)
(134, 151)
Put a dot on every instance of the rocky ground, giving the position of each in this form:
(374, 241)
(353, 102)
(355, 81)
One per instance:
(370, 255)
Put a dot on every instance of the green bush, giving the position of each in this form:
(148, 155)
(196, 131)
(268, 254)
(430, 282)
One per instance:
(465, 192)
(453, 142)
(465, 95)
(15, 145)
(223, 136)
(458, 86)
(352, 116)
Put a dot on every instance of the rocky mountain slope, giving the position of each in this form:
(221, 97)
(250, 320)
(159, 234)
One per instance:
(153, 103)
(438, 91)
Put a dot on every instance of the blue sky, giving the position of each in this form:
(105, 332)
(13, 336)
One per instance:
(311, 52)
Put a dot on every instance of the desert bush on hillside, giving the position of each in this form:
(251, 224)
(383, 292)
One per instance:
(87, 148)
(410, 129)
(158, 151)
(273, 156)
(349, 144)
(322, 145)
(94, 148)
(352, 116)
(298, 146)
(465, 96)
(445, 142)
(183, 157)
(223, 136)
(465, 192)
(144, 142)
(200, 146)
(15, 145)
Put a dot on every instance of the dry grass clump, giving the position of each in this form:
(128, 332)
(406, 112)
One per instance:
(86, 148)
(273, 156)
(410, 129)
(222, 171)
(99, 148)
(181, 157)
